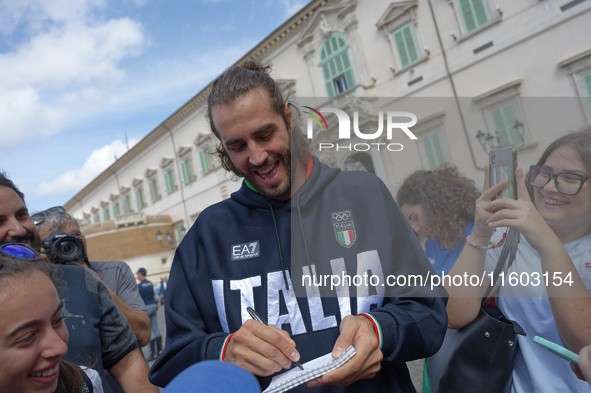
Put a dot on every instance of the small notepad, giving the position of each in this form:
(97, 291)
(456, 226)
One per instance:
(312, 369)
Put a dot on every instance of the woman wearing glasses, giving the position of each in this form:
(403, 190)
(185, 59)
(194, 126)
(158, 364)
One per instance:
(547, 288)
(33, 334)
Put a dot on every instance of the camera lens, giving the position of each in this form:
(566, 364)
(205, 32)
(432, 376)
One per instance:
(68, 249)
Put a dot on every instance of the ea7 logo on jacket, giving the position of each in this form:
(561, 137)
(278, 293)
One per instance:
(344, 228)
(246, 250)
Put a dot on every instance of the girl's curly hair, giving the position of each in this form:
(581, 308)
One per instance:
(448, 199)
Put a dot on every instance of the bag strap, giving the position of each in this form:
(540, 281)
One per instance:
(509, 251)
(88, 383)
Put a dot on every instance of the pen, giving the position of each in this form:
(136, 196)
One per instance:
(257, 317)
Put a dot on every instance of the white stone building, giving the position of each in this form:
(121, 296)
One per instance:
(518, 71)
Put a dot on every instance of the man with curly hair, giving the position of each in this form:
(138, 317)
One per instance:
(253, 249)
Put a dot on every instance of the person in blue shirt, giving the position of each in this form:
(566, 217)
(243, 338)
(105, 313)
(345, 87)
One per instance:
(440, 207)
(146, 289)
(161, 290)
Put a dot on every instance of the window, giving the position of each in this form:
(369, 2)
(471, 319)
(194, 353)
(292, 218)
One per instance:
(207, 163)
(126, 204)
(474, 14)
(169, 180)
(180, 233)
(336, 66)
(504, 117)
(153, 185)
(406, 45)
(587, 84)
(116, 211)
(95, 218)
(433, 149)
(187, 170)
(139, 198)
(505, 121)
(578, 67)
(106, 215)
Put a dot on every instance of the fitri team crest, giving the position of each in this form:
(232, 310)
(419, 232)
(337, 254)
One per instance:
(344, 227)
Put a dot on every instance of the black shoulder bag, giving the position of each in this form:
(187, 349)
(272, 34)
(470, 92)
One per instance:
(479, 357)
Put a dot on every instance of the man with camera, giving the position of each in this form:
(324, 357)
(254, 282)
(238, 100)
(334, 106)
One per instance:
(99, 335)
(64, 242)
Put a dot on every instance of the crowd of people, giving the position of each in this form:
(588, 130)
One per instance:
(79, 326)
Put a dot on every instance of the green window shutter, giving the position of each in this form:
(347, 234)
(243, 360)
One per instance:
(474, 14)
(153, 191)
(411, 43)
(139, 198)
(96, 219)
(480, 12)
(116, 211)
(433, 149)
(336, 64)
(167, 181)
(401, 48)
(406, 45)
(203, 160)
(184, 172)
(189, 166)
(328, 81)
(180, 233)
(504, 118)
(126, 207)
(106, 215)
(348, 70)
(206, 159)
(587, 84)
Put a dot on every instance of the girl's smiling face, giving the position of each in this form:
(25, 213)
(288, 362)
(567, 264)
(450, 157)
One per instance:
(565, 213)
(33, 334)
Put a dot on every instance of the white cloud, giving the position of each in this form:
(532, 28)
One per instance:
(64, 68)
(38, 14)
(76, 179)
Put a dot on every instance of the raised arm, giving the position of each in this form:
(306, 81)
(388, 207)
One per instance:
(570, 301)
(464, 300)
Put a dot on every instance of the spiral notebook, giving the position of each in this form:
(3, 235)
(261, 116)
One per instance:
(312, 369)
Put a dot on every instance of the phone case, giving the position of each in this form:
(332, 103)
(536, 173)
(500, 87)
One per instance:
(502, 167)
(557, 349)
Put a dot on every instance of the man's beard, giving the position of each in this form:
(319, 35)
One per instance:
(28, 238)
(275, 192)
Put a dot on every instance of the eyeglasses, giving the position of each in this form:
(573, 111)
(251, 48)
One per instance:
(567, 183)
(39, 218)
(19, 251)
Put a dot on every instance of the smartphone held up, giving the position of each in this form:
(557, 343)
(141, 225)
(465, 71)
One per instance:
(503, 163)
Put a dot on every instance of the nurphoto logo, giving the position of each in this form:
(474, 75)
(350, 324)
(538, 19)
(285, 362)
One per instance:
(396, 121)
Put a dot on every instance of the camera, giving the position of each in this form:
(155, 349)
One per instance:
(62, 247)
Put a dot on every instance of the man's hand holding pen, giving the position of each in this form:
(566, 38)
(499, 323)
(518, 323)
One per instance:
(263, 350)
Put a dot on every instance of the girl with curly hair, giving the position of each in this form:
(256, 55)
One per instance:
(440, 207)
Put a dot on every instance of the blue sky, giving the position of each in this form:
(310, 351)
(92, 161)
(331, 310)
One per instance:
(78, 76)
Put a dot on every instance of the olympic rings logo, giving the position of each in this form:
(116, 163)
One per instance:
(341, 216)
